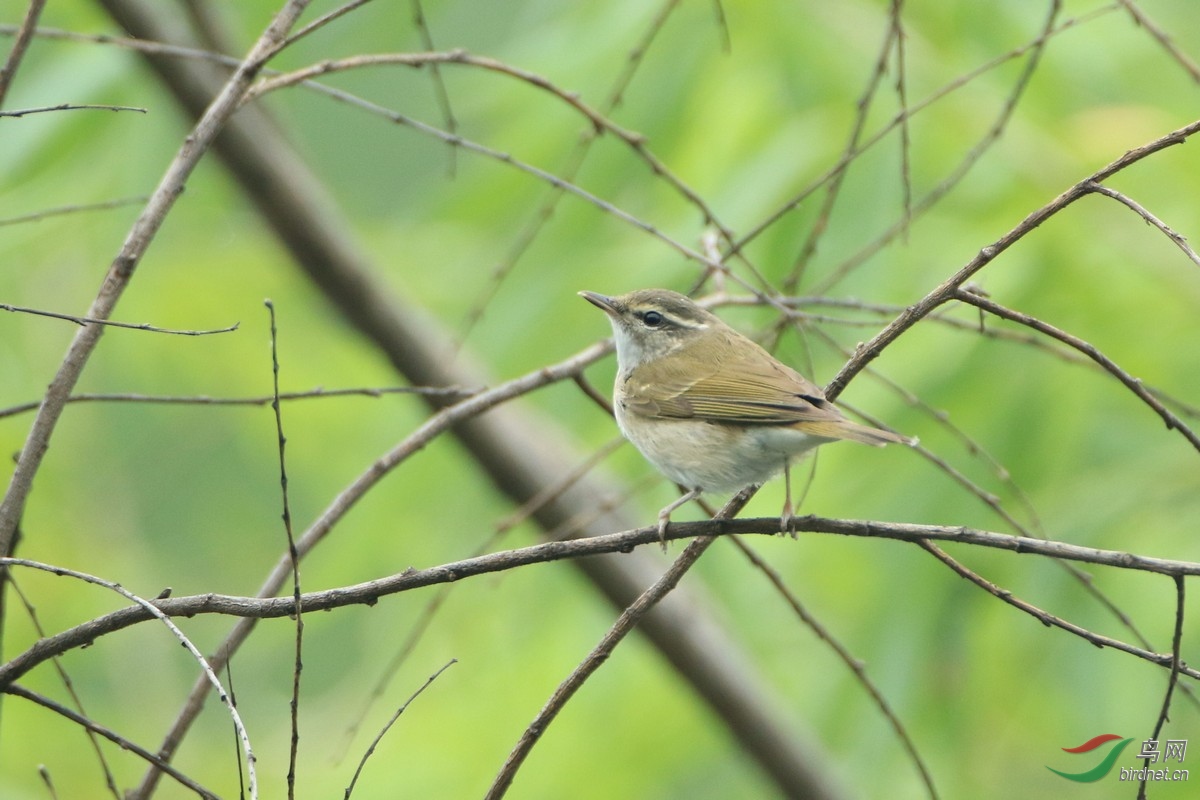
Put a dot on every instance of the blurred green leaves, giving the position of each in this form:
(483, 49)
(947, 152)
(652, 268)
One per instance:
(187, 496)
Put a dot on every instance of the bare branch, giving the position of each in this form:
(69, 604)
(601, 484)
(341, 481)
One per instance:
(558, 182)
(149, 47)
(1044, 617)
(20, 45)
(324, 20)
(375, 742)
(449, 122)
(900, 119)
(853, 147)
(855, 666)
(446, 393)
(143, 326)
(37, 216)
(23, 112)
(293, 557)
(121, 270)
(948, 289)
(1177, 239)
(1173, 680)
(574, 163)
(600, 653)
(1145, 23)
(897, 24)
(964, 167)
(1107, 364)
(109, 781)
(151, 608)
(623, 542)
(95, 728)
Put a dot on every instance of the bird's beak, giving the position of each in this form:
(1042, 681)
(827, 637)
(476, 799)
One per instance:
(607, 304)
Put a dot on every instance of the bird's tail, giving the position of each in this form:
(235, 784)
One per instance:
(845, 429)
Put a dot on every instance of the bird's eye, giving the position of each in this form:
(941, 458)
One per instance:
(652, 319)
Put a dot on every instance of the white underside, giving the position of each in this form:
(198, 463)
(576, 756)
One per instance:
(712, 456)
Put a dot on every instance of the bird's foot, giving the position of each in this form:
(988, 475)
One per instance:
(787, 520)
(664, 516)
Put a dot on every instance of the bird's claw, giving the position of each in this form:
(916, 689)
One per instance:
(663, 520)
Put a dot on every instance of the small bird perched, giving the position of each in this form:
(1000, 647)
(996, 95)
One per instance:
(708, 407)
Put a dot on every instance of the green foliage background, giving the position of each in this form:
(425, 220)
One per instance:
(187, 496)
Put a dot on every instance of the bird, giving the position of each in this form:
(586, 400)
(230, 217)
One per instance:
(707, 406)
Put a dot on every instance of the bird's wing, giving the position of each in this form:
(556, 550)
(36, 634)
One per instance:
(736, 385)
(739, 383)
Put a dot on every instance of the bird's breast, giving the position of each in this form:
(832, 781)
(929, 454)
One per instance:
(709, 455)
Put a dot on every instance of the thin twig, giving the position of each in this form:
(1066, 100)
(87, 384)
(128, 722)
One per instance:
(855, 666)
(633, 140)
(1145, 23)
(570, 170)
(417, 60)
(972, 447)
(1177, 239)
(375, 742)
(553, 491)
(598, 120)
(964, 167)
(150, 607)
(906, 202)
(22, 112)
(143, 326)
(545, 176)
(449, 122)
(123, 265)
(853, 146)
(593, 393)
(600, 653)
(414, 636)
(38, 216)
(24, 36)
(293, 555)
(47, 781)
(146, 46)
(96, 729)
(1107, 364)
(947, 290)
(1034, 341)
(994, 503)
(447, 393)
(436, 425)
(797, 199)
(1173, 680)
(431, 608)
(324, 20)
(30, 611)
(93, 320)
(237, 751)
